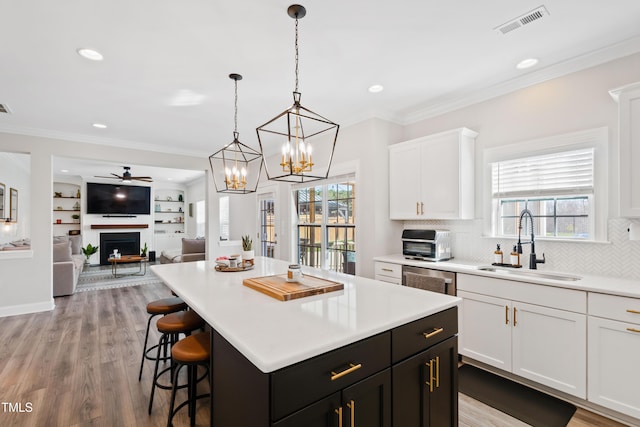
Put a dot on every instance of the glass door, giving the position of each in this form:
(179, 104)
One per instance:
(268, 235)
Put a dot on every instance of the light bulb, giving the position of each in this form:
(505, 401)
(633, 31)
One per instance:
(309, 149)
(244, 172)
(302, 149)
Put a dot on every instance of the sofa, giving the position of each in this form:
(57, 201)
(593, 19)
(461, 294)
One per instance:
(192, 250)
(68, 262)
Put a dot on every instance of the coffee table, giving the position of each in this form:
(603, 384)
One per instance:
(125, 259)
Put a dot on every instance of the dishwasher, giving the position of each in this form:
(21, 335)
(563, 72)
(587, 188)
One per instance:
(443, 282)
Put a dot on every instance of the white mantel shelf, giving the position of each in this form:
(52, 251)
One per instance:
(107, 226)
(274, 334)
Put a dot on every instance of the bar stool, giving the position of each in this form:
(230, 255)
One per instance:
(192, 351)
(155, 308)
(171, 325)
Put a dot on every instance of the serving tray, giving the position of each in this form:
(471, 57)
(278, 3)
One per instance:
(231, 269)
(278, 287)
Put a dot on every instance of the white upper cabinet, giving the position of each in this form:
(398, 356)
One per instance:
(433, 177)
(628, 98)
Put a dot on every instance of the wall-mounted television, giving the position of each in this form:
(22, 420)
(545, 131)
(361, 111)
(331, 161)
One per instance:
(118, 199)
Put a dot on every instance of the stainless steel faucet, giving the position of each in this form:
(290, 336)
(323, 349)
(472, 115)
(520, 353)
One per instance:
(533, 261)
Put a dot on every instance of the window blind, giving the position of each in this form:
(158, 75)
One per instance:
(224, 218)
(564, 173)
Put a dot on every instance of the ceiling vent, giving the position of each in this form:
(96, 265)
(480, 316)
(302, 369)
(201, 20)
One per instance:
(529, 17)
(4, 109)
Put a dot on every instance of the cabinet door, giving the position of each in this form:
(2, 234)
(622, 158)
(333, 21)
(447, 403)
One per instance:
(629, 122)
(368, 403)
(550, 347)
(613, 374)
(485, 329)
(440, 178)
(425, 388)
(324, 413)
(404, 182)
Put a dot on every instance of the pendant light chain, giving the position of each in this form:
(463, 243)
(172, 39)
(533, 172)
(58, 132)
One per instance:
(296, 54)
(235, 116)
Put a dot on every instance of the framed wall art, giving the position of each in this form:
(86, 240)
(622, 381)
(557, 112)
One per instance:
(2, 190)
(13, 204)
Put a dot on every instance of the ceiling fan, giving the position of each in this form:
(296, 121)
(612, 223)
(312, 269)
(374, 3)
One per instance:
(126, 176)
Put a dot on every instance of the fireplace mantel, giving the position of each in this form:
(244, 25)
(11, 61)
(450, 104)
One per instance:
(105, 226)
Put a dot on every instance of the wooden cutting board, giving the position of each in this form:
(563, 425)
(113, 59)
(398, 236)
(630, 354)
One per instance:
(278, 287)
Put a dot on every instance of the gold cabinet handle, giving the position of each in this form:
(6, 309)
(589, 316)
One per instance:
(515, 314)
(633, 311)
(430, 382)
(352, 412)
(387, 269)
(417, 208)
(339, 412)
(437, 371)
(435, 331)
(422, 207)
(351, 368)
(633, 330)
(506, 314)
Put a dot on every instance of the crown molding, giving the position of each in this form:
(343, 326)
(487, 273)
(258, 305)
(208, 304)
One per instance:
(575, 64)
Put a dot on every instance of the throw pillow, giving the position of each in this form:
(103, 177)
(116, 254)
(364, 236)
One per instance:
(62, 252)
(76, 244)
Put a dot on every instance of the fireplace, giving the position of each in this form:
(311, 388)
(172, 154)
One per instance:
(125, 243)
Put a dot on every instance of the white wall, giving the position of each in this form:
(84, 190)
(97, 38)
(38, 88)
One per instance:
(26, 283)
(574, 102)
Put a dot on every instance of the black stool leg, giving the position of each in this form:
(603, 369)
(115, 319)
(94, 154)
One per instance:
(163, 340)
(173, 394)
(144, 347)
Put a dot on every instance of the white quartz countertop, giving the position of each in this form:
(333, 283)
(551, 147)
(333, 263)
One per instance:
(274, 334)
(589, 283)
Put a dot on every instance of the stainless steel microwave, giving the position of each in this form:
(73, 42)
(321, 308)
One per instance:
(428, 245)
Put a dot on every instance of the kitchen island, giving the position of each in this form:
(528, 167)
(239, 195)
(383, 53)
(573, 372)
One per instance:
(324, 358)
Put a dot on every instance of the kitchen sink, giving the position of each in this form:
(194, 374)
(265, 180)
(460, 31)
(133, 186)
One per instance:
(532, 273)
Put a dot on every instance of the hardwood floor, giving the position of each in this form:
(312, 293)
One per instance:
(78, 366)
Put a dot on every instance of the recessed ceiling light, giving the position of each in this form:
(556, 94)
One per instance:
(526, 63)
(91, 54)
(99, 125)
(376, 88)
(64, 170)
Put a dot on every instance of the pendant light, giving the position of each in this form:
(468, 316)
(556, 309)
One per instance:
(236, 168)
(297, 144)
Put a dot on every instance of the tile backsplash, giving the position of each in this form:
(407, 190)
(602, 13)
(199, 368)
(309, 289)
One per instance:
(619, 257)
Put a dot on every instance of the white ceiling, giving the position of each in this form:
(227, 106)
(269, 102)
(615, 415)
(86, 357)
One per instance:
(429, 55)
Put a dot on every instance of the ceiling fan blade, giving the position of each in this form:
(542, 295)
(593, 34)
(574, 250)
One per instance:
(142, 178)
(110, 177)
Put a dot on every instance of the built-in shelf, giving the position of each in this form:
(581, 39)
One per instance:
(103, 226)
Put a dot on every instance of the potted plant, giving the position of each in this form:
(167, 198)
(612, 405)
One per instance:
(76, 217)
(247, 249)
(143, 251)
(88, 251)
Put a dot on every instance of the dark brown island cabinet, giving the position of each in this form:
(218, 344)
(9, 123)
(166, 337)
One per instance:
(404, 377)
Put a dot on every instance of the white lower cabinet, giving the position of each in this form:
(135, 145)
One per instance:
(614, 346)
(525, 329)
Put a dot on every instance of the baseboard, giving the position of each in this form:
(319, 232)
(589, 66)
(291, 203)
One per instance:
(15, 310)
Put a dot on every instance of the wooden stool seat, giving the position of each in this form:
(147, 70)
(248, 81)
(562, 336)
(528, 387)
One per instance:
(166, 305)
(191, 351)
(180, 322)
(155, 308)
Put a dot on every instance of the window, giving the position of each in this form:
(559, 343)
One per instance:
(200, 218)
(224, 217)
(557, 188)
(326, 225)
